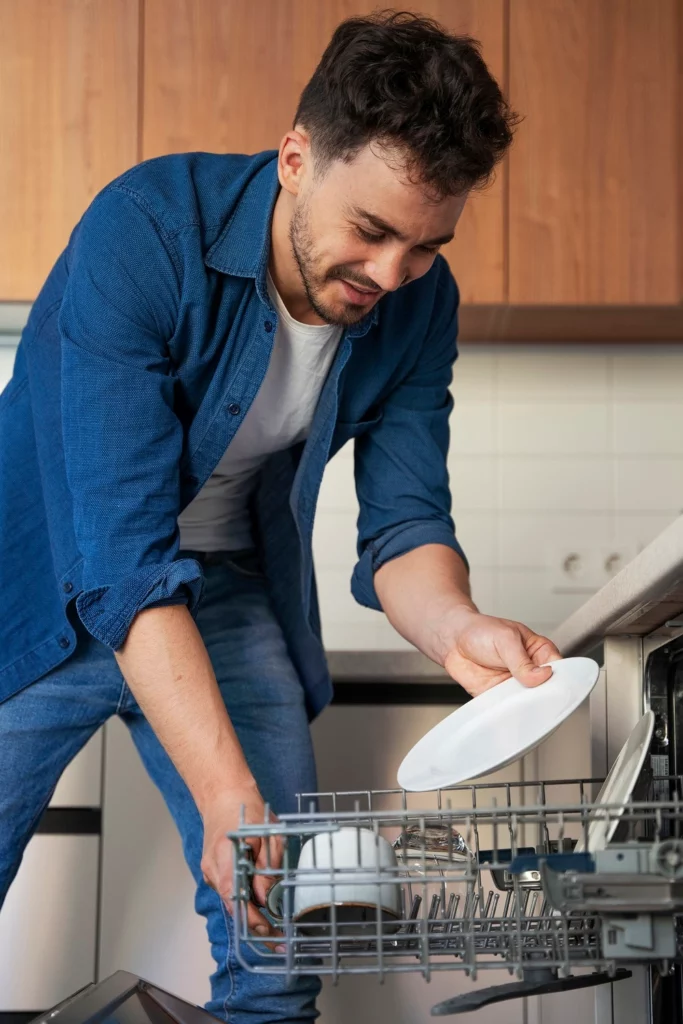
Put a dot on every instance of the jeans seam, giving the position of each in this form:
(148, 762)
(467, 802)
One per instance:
(122, 696)
(229, 960)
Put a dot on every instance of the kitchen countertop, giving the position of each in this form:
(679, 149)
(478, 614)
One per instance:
(640, 600)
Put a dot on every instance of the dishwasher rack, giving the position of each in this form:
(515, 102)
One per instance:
(500, 886)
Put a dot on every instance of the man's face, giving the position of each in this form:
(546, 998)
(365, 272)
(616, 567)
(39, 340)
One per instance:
(361, 230)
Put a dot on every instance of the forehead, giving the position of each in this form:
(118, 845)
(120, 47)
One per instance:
(378, 183)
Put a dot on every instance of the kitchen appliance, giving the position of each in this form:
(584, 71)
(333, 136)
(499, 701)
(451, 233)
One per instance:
(606, 923)
(603, 912)
(124, 998)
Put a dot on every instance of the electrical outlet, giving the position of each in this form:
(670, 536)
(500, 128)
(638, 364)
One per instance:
(574, 570)
(582, 570)
(615, 557)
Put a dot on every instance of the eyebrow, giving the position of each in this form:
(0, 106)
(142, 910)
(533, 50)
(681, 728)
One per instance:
(389, 229)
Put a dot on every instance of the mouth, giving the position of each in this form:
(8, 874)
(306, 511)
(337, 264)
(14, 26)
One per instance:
(359, 296)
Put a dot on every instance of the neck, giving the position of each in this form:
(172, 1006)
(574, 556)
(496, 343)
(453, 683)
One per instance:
(282, 265)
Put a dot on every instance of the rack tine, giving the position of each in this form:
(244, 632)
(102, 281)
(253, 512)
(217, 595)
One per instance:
(456, 912)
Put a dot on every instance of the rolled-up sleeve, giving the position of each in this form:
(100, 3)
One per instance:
(122, 438)
(401, 463)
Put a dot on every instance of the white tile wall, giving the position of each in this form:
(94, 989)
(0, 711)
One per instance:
(555, 450)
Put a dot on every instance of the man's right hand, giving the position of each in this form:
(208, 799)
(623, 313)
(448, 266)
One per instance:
(222, 816)
(166, 665)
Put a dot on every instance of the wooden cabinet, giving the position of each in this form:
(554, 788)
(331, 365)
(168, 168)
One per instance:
(226, 76)
(584, 220)
(477, 255)
(595, 170)
(68, 123)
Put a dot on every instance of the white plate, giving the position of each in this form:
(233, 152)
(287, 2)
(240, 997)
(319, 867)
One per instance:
(618, 786)
(496, 728)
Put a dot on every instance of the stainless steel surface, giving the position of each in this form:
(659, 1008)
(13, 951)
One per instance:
(624, 701)
(380, 666)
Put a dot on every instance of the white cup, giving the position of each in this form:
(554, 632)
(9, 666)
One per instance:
(341, 869)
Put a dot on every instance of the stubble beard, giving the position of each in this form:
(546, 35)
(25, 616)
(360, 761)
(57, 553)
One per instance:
(303, 250)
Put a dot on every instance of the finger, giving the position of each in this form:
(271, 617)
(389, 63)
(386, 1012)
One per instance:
(517, 660)
(539, 648)
(270, 853)
(269, 858)
(256, 922)
(223, 881)
(543, 650)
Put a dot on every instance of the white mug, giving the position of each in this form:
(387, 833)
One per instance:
(340, 869)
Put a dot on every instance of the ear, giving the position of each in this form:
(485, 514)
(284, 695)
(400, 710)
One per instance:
(295, 161)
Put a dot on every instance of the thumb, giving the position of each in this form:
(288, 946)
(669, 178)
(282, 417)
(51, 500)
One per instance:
(521, 666)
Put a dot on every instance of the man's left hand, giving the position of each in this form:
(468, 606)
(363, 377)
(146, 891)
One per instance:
(486, 650)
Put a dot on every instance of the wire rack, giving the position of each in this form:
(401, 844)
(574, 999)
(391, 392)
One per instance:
(452, 880)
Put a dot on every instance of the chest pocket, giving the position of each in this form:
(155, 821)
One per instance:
(346, 430)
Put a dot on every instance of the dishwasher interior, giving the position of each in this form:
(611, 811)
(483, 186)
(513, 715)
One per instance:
(490, 875)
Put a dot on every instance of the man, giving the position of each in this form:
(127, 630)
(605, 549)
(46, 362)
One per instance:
(216, 329)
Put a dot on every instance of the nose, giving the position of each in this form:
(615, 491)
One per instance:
(389, 272)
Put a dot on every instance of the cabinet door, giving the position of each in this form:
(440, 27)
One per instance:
(227, 76)
(594, 193)
(68, 123)
(48, 925)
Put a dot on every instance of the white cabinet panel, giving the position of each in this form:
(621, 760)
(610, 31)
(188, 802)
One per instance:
(81, 783)
(148, 922)
(48, 923)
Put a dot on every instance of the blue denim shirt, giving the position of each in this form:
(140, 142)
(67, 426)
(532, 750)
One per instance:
(140, 359)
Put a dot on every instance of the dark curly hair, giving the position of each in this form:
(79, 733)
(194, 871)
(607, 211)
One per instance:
(399, 80)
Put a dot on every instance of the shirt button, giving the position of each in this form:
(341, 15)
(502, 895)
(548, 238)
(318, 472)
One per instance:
(234, 409)
(268, 326)
(64, 642)
(67, 588)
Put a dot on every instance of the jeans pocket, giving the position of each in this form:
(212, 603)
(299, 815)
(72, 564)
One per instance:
(245, 564)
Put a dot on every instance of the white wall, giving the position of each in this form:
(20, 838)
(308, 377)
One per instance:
(555, 451)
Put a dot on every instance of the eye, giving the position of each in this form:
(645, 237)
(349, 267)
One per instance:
(431, 250)
(368, 236)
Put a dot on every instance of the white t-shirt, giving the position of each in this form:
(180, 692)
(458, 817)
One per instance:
(280, 416)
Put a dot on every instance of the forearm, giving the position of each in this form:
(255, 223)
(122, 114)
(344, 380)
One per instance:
(425, 594)
(167, 667)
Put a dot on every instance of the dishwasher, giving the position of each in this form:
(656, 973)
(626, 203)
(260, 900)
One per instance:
(496, 875)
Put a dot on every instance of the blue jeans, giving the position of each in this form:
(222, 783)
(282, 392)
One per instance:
(45, 725)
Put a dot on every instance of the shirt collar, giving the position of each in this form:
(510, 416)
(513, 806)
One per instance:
(243, 246)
